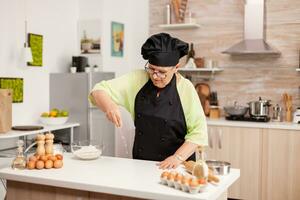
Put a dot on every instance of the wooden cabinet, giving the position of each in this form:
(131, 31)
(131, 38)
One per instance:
(281, 165)
(268, 160)
(242, 147)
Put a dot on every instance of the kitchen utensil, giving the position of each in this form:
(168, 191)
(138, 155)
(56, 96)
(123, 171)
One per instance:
(276, 113)
(214, 112)
(203, 91)
(259, 108)
(5, 110)
(236, 110)
(27, 128)
(214, 99)
(296, 118)
(87, 149)
(219, 167)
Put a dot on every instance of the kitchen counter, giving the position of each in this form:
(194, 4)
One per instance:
(270, 124)
(117, 176)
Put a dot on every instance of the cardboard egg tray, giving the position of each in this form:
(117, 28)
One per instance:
(185, 187)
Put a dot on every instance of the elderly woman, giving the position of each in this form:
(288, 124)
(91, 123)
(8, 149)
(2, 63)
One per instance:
(168, 117)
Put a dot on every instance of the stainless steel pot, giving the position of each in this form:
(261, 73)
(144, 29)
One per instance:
(259, 108)
(218, 167)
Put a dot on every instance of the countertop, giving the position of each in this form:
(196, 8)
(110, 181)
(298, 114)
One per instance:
(47, 128)
(270, 124)
(119, 176)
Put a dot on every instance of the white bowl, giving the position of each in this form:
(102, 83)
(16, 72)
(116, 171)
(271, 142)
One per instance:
(54, 120)
(87, 149)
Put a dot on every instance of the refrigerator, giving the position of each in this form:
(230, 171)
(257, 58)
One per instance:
(69, 91)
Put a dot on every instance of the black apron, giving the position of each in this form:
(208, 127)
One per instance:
(159, 122)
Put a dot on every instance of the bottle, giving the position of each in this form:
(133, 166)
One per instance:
(168, 14)
(20, 161)
(191, 53)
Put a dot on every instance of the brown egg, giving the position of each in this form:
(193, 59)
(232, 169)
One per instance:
(44, 158)
(37, 156)
(59, 156)
(39, 164)
(33, 158)
(194, 182)
(164, 174)
(31, 164)
(178, 178)
(58, 164)
(185, 180)
(53, 158)
(48, 164)
(171, 176)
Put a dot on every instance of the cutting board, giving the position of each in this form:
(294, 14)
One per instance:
(5, 110)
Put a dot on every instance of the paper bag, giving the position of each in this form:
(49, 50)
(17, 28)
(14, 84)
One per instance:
(5, 110)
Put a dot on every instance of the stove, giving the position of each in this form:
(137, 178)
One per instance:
(248, 118)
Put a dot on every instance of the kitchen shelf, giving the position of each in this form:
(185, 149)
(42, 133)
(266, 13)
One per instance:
(197, 71)
(215, 69)
(180, 26)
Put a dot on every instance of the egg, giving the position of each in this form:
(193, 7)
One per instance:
(48, 164)
(171, 176)
(194, 182)
(31, 164)
(37, 156)
(44, 158)
(202, 181)
(59, 156)
(39, 164)
(33, 158)
(53, 158)
(185, 180)
(164, 174)
(178, 178)
(58, 164)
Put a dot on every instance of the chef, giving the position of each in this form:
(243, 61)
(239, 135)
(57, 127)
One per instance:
(169, 121)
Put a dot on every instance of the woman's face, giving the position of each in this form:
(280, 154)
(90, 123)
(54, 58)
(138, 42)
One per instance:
(161, 76)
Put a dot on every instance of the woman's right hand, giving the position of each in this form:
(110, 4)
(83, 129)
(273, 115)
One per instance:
(107, 105)
(113, 114)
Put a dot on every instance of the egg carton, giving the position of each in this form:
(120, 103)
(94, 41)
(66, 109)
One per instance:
(184, 184)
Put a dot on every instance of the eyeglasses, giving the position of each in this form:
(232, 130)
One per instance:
(159, 74)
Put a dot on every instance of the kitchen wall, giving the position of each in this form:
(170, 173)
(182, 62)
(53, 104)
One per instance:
(56, 21)
(244, 78)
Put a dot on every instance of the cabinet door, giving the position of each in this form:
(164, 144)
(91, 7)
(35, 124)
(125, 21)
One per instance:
(281, 165)
(242, 147)
(211, 150)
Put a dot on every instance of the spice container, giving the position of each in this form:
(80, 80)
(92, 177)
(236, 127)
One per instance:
(20, 161)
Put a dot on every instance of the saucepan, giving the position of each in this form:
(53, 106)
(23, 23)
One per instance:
(236, 110)
(219, 167)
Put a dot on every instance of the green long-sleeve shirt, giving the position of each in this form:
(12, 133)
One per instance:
(124, 89)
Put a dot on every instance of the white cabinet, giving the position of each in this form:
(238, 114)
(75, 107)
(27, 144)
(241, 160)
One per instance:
(242, 147)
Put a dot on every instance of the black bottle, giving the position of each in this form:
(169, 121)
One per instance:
(191, 53)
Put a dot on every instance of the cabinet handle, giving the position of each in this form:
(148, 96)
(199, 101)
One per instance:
(220, 138)
(210, 142)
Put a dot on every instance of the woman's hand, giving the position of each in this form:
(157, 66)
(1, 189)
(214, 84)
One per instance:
(170, 162)
(113, 114)
(107, 105)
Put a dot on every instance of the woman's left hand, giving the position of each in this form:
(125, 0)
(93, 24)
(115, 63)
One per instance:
(170, 162)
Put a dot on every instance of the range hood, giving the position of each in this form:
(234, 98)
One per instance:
(254, 32)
